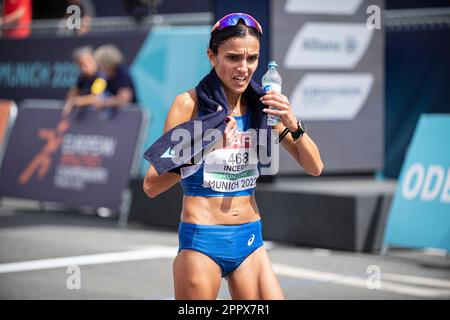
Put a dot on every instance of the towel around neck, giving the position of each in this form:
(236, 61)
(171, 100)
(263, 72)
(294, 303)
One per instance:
(210, 96)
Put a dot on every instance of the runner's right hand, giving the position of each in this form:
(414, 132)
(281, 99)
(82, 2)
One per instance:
(230, 130)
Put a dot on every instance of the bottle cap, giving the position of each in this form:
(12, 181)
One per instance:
(273, 64)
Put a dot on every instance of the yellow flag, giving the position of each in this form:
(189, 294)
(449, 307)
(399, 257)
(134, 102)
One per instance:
(98, 86)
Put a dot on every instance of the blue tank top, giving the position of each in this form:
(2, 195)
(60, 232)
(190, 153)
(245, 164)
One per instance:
(235, 178)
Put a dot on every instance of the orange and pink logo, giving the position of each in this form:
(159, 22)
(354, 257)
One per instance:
(41, 163)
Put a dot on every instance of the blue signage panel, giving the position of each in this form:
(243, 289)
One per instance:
(83, 160)
(420, 213)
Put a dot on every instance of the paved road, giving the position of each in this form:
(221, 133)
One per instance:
(37, 247)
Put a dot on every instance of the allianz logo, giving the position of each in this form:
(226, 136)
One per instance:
(328, 45)
(317, 44)
(349, 45)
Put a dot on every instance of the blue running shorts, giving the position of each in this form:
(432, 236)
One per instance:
(227, 245)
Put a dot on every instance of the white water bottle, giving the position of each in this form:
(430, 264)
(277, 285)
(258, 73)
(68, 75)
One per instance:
(272, 81)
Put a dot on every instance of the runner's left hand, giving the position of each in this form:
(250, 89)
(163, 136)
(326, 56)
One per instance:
(284, 111)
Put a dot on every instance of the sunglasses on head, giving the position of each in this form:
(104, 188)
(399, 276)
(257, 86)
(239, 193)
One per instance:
(232, 19)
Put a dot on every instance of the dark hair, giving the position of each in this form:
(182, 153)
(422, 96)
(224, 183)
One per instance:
(240, 30)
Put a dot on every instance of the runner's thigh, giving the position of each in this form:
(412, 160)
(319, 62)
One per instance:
(196, 276)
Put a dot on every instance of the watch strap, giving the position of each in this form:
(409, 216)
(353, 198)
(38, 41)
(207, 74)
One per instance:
(298, 133)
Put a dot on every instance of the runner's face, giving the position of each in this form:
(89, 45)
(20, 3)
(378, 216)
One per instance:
(235, 62)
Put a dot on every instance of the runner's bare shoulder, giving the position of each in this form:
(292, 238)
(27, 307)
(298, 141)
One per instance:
(182, 110)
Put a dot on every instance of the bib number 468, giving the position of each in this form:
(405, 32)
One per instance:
(238, 158)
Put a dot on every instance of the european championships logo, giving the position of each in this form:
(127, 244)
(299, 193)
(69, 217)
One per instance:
(42, 162)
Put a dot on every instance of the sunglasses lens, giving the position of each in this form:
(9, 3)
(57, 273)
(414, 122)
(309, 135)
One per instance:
(227, 22)
(233, 19)
(249, 22)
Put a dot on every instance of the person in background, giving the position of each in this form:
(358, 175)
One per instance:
(120, 88)
(104, 82)
(16, 19)
(84, 93)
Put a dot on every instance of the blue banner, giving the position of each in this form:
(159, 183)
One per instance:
(420, 213)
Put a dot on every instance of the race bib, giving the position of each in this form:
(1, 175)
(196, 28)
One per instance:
(233, 168)
(190, 170)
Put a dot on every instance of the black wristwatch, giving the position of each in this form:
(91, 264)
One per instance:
(301, 129)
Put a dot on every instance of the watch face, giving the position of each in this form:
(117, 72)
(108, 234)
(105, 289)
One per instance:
(301, 129)
(302, 126)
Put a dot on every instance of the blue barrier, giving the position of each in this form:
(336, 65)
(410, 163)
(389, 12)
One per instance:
(78, 161)
(420, 213)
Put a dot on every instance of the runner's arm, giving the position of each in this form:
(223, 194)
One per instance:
(182, 110)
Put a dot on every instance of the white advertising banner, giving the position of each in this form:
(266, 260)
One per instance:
(331, 58)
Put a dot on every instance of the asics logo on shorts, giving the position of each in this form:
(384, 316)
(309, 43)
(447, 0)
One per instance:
(250, 241)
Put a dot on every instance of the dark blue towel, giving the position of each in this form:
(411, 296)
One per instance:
(210, 96)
